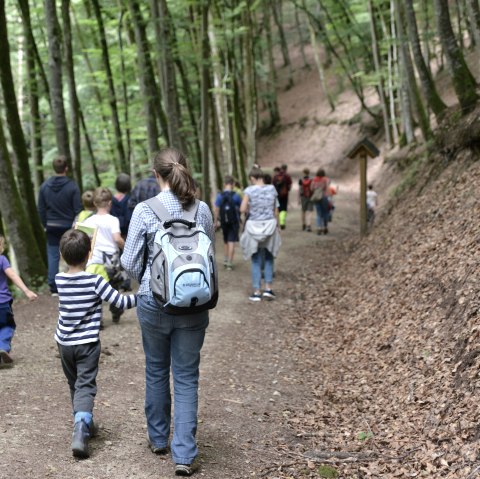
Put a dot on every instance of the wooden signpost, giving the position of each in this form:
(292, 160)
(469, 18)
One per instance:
(363, 150)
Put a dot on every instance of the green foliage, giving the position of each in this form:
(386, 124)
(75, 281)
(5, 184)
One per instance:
(327, 472)
(364, 436)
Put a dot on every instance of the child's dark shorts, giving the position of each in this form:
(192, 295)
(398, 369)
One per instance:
(230, 233)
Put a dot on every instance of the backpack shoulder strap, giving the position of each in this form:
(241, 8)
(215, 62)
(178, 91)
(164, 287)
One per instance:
(191, 212)
(159, 209)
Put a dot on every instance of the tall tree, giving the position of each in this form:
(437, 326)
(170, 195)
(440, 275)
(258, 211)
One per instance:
(379, 71)
(122, 164)
(22, 238)
(406, 61)
(473, 10)
(72, 93)
(250, 98)
(272, 73)
(205, 82)
(278, 18)
(15, 129)
(56, 81)
(428, 85)
(33, 86)
(463, 81)
(165, 43)
(147, 83)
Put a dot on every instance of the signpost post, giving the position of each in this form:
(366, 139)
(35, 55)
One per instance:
(363, 150)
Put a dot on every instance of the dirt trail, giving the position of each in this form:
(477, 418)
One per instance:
(245, 391)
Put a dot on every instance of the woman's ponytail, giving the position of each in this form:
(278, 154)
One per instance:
(171, 165)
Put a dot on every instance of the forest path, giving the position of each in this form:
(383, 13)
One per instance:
(245, 388)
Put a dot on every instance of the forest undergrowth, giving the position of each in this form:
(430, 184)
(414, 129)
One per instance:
(387, 332)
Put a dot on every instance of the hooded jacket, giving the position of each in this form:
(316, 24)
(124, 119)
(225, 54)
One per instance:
(59, 202)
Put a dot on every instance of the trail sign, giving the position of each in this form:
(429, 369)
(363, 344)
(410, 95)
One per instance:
(363, 150)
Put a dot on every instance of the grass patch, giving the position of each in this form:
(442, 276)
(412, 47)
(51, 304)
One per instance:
(327, 472)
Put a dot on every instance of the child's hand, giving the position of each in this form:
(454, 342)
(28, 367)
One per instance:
(31, 295)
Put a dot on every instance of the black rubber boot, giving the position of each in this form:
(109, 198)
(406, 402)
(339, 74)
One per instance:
(80, 437)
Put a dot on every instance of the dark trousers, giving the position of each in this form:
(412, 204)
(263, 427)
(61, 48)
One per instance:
(80, 365)
(53, 254)
(283, 203)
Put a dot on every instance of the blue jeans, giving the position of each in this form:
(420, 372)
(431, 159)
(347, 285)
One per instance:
(323, 213)
(173, 341)
(7, 326)
(53, 254)
(262, 256)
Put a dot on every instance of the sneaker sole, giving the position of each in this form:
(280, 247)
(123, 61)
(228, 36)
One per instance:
(80, 453)
(255, 300)
(5, 357)
(268, 298)
(183, 470)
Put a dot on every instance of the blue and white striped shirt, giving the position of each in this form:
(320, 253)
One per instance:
(141, 233)
(80, 306)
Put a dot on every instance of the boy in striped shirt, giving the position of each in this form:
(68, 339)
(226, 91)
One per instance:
(78, 329)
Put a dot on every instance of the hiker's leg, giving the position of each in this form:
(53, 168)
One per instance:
(186, 342)
(256, 270)
(7, 327)
(156, 336)
(268, 269)
(308, 214)
(230, 251)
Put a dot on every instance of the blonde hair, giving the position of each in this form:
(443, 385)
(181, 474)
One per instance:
(87, 199)
(102, 197)
(2, 244)
(171, 165)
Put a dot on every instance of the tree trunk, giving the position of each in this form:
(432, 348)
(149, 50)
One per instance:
(72, 91)
(272, 73)
(126, 118)
(463, 81)
(278, 18)
(56, 82)
(428, 86)
(148, 90)
(474, 15)
(21, 236)
(16, 133)
(379, 71)
(221, 102)
(35, 120)
(96, 90)
(204, 101)
(250, 97)
(165, 42)
(122, 164)
(410, 75)
(405, 98)
(88, 142)
(300, 36)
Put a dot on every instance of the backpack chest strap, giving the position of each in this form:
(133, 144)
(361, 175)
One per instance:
(164, 216)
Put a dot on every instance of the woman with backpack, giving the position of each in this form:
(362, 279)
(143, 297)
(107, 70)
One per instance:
(260, 240)
(169, 340)
(319, 198)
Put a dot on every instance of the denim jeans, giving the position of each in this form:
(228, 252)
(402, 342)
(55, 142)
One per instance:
(171, 341)
(53, 254)
(7, 326)
(323, 213)
(262, 256)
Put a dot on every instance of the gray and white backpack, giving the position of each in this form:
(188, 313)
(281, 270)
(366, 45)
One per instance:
(183, 273)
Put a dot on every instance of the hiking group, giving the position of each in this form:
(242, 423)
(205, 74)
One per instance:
(162, 236)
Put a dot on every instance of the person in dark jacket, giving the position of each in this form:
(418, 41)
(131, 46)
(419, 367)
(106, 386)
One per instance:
(144, 190)
(120, 201)
(59, 203)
